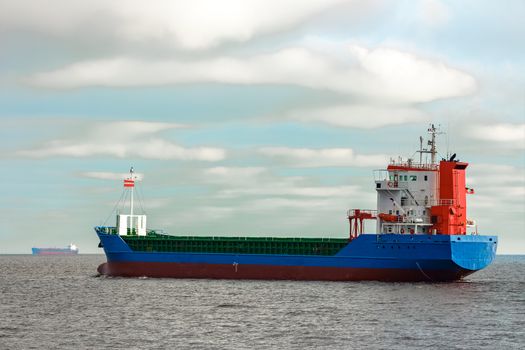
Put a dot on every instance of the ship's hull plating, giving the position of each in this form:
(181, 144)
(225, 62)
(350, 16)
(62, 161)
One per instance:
(368, 257)
(272, 272)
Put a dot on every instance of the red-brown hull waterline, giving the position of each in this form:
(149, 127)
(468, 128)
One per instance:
(268, 272)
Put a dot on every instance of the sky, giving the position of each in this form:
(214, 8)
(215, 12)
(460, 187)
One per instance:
(252, 117)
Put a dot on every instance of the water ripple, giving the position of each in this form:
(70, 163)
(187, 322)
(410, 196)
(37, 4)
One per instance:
(61, 303)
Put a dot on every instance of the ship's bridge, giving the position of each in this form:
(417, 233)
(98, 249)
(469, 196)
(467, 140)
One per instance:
(405, 191)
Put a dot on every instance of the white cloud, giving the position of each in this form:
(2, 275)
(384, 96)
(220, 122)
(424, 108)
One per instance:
(110, 176)
(242, 194)
(324, 157)
(193, 25)
(405, 77)
(123, 139)
(234, 176)
(497, 186)
(360, 116)
(271, 204)
(233, 172)
(258, 181)
(285, 189)
(512, 135)
(197, 215)
(484, 174)
(380, 74)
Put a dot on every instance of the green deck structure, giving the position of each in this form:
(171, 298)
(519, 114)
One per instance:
(155, 242)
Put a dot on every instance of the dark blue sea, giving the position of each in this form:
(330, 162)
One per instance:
(61, 303)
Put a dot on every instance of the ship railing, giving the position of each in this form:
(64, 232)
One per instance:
(436, 202)
(422, 166)
(402, 219)
(416, 202)
(131, 232)
(362, 213)
(391, 185)
(156, 231)
(426, 202)
(107, 229)
(381, 175)
(416, 220)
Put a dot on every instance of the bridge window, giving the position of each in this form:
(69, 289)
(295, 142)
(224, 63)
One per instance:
(413, 177)
(426, 177)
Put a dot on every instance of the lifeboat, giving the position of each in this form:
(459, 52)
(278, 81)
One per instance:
(388, 217)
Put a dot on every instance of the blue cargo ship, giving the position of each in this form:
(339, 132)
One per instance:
(422, 234)
(69, 250)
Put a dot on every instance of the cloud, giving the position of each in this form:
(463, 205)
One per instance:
(244, 203)
(359, 116)
(122, 140)
(380, 74)
(233, 173)
(287, 190)
(404, 77)
(206, 213)
(324, 157)
(189, 25)
(272, 204)
(109, 175)
(258, 181)
(497, 186)
(512, 135)
(236, 177)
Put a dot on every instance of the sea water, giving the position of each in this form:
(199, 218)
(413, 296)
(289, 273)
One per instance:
(61, 303)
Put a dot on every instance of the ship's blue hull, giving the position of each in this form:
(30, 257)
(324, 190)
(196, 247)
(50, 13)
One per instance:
(388, 257)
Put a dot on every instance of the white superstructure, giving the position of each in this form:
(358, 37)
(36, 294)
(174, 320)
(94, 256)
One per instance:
(428, 197)
(405, 193)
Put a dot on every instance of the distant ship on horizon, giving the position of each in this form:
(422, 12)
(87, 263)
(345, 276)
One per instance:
(69, 250)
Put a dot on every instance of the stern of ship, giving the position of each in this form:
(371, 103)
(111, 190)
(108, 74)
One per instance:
(473, 252)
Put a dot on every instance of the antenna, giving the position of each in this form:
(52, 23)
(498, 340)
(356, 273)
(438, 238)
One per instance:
(433, 131)
(448, 138)
(432, 143)
(132, 188)
(420, 149)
